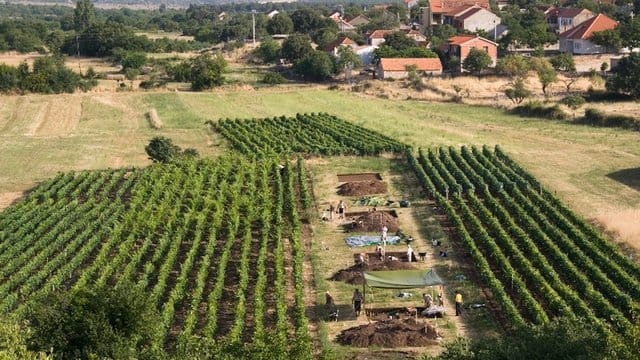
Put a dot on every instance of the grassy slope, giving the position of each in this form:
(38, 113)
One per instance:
(573, 160)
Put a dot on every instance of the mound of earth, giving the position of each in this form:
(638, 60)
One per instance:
(373, 221)
(353, 274)
(389, 334)
(359, 188)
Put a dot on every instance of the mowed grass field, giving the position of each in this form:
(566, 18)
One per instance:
(596, 171)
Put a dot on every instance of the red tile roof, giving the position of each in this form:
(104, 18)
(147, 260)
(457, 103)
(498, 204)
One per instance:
(460, 39)
(566, 12)
(600, 22)
(400, 64)
(379, 34)
(444, 6)
(343, 40)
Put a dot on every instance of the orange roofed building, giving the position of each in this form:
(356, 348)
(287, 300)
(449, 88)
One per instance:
(434, 13)
(576, 40)
(461, 45)
(396, 68)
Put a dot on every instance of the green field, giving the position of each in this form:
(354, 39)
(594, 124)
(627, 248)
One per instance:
(110, 130)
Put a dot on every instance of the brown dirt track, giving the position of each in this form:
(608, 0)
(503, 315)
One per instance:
(389, 334)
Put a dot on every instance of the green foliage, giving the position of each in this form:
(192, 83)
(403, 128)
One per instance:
(273, 78)
(207, 71)
(84, 15)
(133, 60)
(563, 62)
(8, 78)
(562, 338)
(280, 23)
(295, 47)
(625, 76)
(630, 32)
(268, 51)
(476, 61)
(324, 36)
(573, 101)
(596, 117)
(609, 39)
(49, 75)
(398, 40)
(513, 66)
(441, 34)
(347, 58)
(538, 109)
(96, 322)
(13, 342)
(518, 92)
(546, 73)
(306, 19)
(385, 51)
(414, 78)
(162, 149)
(315, 66)
(527, 29)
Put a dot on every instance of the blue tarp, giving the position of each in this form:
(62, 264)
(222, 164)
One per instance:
(367, 240)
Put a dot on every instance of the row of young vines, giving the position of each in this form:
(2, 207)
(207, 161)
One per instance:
(539, 259)
(209, 241)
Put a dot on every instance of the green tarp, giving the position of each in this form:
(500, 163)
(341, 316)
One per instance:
(402, 279)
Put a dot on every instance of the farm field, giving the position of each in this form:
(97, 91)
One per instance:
(216, 262)
(192, 233)
(594, 170)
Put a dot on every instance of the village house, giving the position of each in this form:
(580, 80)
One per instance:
(333, 47)
(377, 37)
(576, 40)
(359, 20)
(272, 13)
(434, 13)
(473, 18)
(563, 19)
(460, 46)
(396, 68)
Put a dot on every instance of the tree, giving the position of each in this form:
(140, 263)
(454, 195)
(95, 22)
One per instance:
(281, 23)
(574, 102)
(295, 47)
(476, 61)
(546, 73)
(84, 15)
(347, 58)
(268, 51)
(316, 65)
(273, 78)
(8, 78)
(133, 60)
(609, 39)
(13, 338)
(626, 75)
(162, 149)
(563, 62)
(207, 71)
(513, 66)
(518, 92)
(90, 323)
(441, 34)
(306, 20)
(398, 40)
(630, 32)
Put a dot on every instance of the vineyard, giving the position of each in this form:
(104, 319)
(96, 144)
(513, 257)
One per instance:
(316, 134)
(216, 244)
(538, 259)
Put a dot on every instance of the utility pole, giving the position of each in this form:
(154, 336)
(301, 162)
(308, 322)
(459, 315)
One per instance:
(495, 31)
(253, 21)
(78, 54)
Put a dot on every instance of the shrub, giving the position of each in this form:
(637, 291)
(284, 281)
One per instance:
(596, 117)
(273, 78)
(539, 110)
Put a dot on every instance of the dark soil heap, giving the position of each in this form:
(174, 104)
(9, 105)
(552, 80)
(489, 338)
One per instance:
(353, 274)
(359, 188)
(373, 221)
(389, 334)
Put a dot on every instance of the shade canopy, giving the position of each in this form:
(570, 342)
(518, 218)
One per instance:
(402, 279)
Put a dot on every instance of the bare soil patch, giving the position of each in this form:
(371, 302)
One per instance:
(359, 177)
(624, 224)
(8, 198)
(360, 188)
(389, 334)
(353, 274)
(372, 222)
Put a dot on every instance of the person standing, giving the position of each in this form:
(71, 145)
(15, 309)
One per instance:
(341, 209)
(409, 253)
(428, 300)
(458, 303)
(357, 302)
(384, 234)
(328, 299)
(332, 209)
